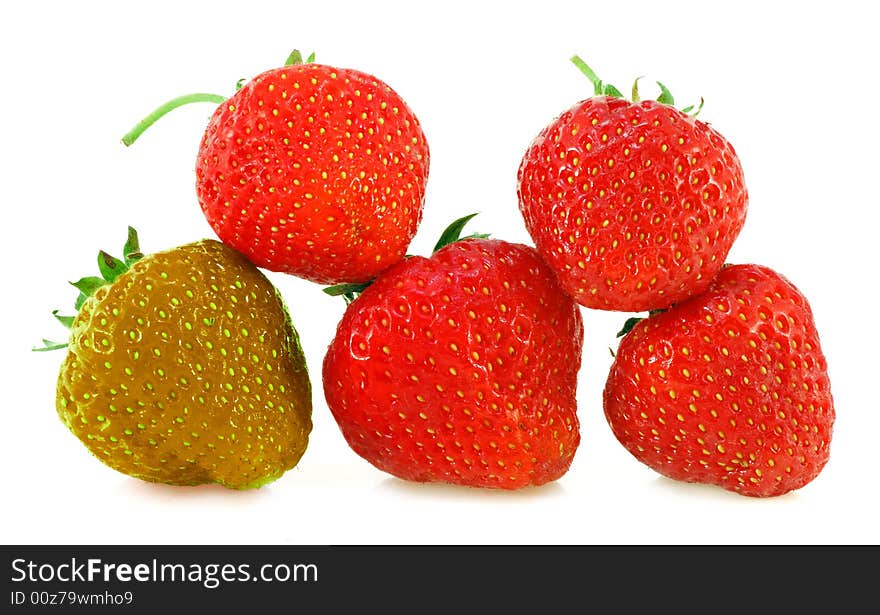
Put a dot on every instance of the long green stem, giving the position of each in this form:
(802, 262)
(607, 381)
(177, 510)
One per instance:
(592, 76)
(132, 135)
(600, 88)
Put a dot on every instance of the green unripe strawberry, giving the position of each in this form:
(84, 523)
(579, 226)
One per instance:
(183, 367)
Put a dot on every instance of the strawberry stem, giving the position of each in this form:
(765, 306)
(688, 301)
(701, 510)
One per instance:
(591, 75)
(600, 88)
(132, 135)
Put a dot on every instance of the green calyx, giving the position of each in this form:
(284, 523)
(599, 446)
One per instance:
(348, 291)
(138, 129)
(600, 88)
(295, 58)
(110, 268)
(628, 325)
(632, 322)
(450, 234)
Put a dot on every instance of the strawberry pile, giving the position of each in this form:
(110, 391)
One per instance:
(184, 366)
(635, 206)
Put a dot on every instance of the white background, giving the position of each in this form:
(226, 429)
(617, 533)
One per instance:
(791, 85)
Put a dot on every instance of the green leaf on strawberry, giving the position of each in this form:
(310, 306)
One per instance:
(453, 232)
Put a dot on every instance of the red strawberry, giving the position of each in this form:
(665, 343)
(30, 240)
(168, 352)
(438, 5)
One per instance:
(728, 388)
(313, 170)
(634, 205)
(460, 368)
